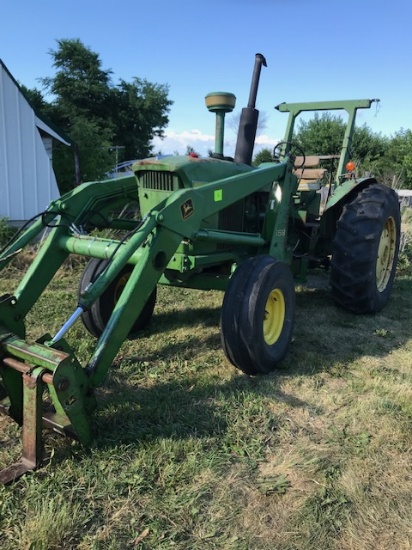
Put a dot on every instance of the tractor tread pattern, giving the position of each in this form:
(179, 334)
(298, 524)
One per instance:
(355, 250)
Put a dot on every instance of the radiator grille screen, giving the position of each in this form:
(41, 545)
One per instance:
(159, 181)
(231, 217)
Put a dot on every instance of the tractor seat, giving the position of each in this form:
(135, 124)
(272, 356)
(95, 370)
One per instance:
(310, 178)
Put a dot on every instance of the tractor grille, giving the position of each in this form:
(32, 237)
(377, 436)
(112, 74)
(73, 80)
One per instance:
(231, 217)
(159, 181)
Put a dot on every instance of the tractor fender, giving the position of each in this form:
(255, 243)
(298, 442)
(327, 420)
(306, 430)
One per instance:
(348, 190)
(343, 194)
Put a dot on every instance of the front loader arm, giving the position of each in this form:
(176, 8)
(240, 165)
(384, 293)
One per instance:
(150, 247)
(87, 206)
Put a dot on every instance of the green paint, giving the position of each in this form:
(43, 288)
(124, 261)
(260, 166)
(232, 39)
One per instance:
(218, 195)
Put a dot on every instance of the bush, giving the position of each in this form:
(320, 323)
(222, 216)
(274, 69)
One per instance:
(405, 257)
(6, 231)
(405, 252)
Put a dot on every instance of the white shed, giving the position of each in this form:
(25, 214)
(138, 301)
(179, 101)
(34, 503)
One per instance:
(27, 180)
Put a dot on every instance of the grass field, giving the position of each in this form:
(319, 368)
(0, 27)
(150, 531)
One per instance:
(191, 454)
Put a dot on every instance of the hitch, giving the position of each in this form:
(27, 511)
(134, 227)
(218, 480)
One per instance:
(32, 455)
(46, 388)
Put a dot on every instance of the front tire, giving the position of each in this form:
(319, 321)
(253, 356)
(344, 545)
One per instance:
(96, 318)
(365, 250)
(258, 313)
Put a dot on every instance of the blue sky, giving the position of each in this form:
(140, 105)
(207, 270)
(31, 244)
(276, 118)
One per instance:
(315, 50)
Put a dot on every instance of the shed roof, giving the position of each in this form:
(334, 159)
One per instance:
(41, 120)
(27, 180)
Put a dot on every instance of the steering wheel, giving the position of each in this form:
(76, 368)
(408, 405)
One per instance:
(295, 150)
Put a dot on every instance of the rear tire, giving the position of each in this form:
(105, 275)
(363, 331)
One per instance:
(365, 250)
(258, 315)
(96, 318)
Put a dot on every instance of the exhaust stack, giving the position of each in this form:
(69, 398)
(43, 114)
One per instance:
(249, 118)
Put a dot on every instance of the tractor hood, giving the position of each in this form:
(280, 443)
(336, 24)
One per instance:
(191, 169)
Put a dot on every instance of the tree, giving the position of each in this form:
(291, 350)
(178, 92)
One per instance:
(98, 115)
(389, 159)
(95, 155)
(35, 98)
(323, 134)
(234, 121)
(80, 86)
(398, 158)
(264, 155)
(139, 111)
(368, 146)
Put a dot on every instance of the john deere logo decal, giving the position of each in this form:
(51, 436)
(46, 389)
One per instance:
(187, 209)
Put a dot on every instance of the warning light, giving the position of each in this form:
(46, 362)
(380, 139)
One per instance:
(350, 166)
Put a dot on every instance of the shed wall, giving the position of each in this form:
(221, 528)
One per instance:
(27, 180)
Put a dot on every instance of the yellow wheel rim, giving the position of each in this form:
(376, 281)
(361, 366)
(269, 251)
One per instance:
(274, 316)
(121, 283)
(386, 254)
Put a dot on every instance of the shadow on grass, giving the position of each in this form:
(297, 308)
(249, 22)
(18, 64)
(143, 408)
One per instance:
(179, 409)
(171, 320)
(326, 339)
(325, 335)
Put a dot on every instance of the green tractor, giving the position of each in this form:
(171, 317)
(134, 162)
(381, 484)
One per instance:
(205, 223)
